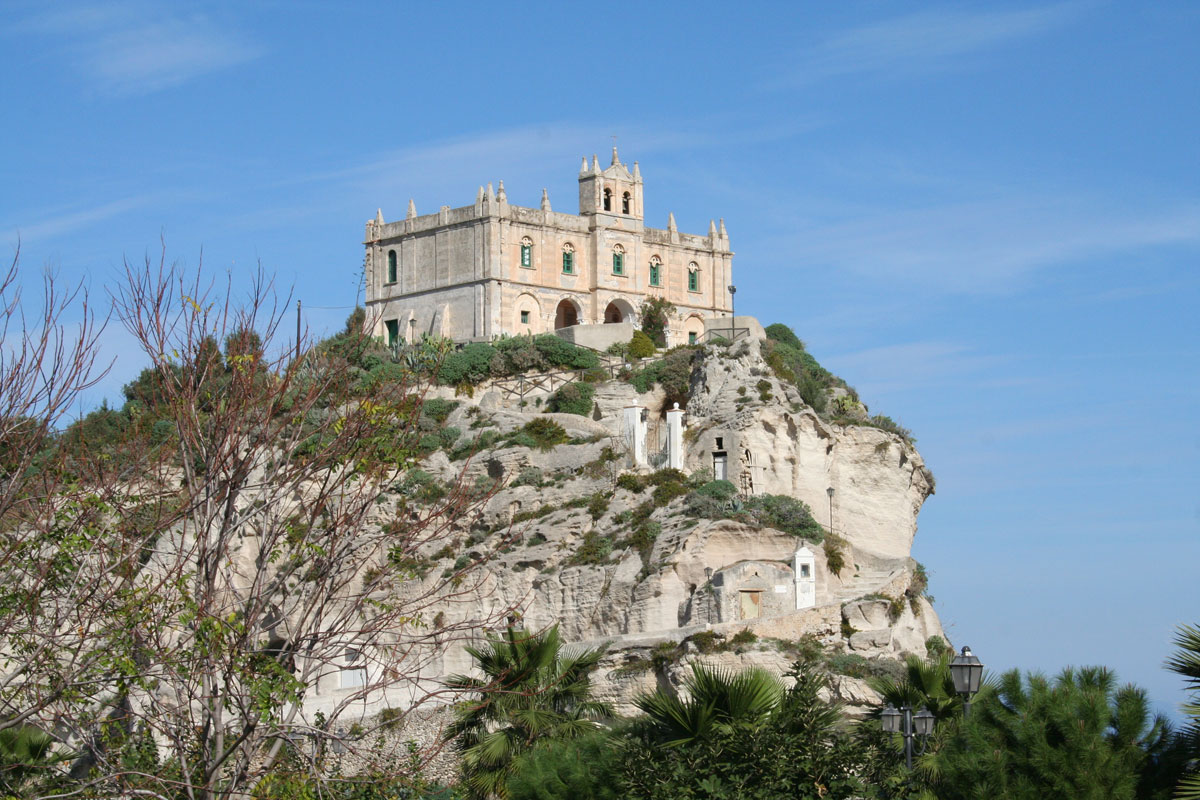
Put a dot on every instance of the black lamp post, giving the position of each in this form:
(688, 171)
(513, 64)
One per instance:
(967, 672)
(732, 307)
(829, 492)
(908, 725)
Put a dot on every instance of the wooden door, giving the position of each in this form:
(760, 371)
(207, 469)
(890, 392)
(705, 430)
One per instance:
(751, 603)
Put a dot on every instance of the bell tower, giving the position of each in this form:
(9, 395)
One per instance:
(614, 192)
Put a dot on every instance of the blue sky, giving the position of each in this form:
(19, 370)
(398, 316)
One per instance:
(986, 217)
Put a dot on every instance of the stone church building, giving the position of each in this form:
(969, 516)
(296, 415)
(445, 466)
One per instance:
(488, 269)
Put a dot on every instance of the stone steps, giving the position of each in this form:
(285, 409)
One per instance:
(867, 580)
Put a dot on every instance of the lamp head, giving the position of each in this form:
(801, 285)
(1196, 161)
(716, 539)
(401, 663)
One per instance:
(890, 718)
(967, 672)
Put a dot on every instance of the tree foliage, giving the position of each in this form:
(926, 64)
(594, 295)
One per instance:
(1186, 662)
(581, 768)
(1079, 735)
(530, 690)
(656, 313)
(745, 738)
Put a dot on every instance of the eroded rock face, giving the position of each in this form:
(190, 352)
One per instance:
(562, 549)
(780, 446)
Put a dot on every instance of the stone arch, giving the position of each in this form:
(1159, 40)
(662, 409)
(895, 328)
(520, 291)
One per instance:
(527, 314)
(619, 310)
(567, 313)
(693, 328)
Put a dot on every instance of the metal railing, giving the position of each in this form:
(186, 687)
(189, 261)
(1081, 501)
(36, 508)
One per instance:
(734, 334)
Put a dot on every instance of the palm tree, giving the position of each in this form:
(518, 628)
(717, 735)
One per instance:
(530, 690)
(26, 754)
(1186, 662)
(926, 683)
(717, 700)
(741, 735)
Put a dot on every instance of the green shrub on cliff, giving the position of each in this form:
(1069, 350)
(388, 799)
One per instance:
(573, 398)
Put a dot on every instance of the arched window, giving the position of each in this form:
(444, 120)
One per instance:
(618, 260)
(527, 253)
(625, 203)
(568, 259)
(655, 271)
(391, 266)
(608, 199)
(693, 277)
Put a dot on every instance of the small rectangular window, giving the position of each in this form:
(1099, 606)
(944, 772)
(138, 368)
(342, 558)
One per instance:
(618, 263)
(720, 443)
(694, 281)
(527, 256)
(352, 678)
(655, 275)
(524, 317)
(569, 263)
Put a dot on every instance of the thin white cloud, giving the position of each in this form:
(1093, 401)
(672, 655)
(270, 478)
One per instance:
(988, 247)
(528, 157)
(62, 222)
(133, 49)
(900, 367)
(922, 41)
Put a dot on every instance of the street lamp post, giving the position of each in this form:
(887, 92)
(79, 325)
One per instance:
(967, 672)
(829, 492)
(732, 307)
(908, 725)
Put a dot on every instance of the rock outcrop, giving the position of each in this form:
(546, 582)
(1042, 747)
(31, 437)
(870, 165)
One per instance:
(571, 544)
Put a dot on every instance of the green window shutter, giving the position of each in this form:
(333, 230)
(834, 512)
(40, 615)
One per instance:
(568, 263)
(391, 266)
(526, 255)
(694, 281)
(692, 337)
(655, 276)
(618, 264)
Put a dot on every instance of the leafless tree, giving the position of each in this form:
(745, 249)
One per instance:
(251, 551)
(49, 356)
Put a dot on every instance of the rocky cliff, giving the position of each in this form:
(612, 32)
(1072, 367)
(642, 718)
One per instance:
(627, 556)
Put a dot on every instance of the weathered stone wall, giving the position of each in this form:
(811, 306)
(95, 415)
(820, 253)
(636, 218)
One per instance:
(598, 337)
